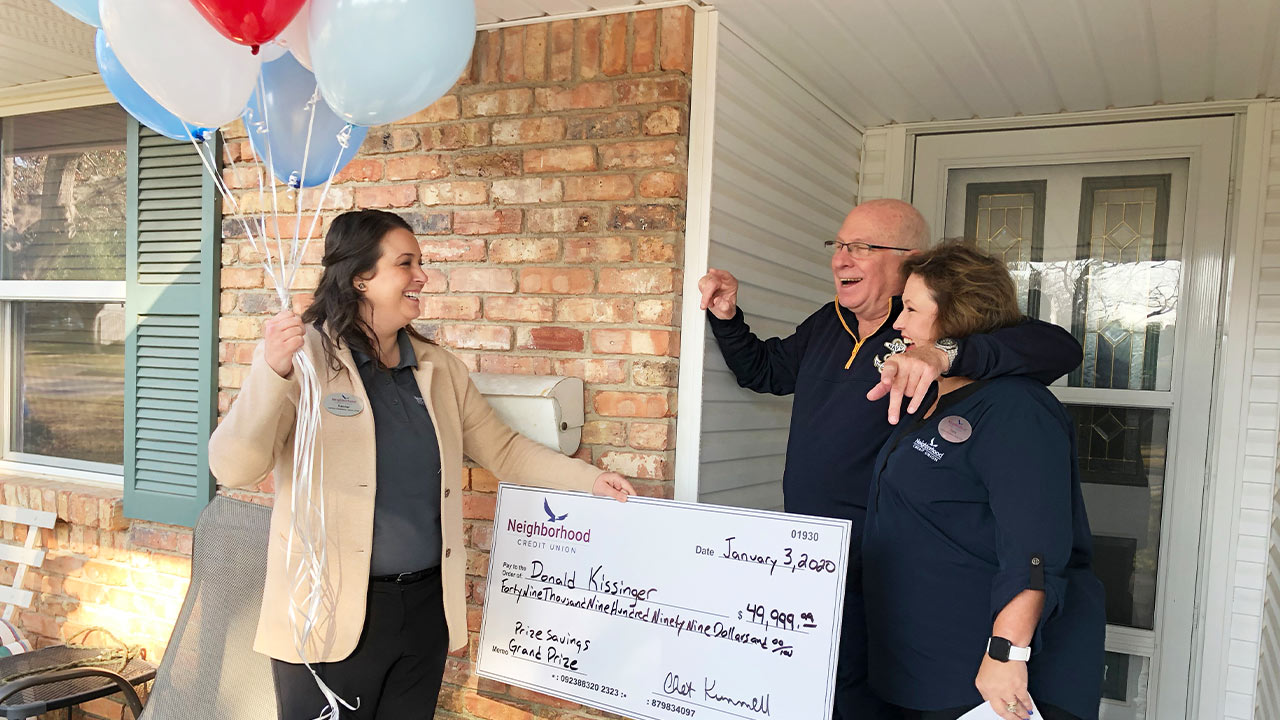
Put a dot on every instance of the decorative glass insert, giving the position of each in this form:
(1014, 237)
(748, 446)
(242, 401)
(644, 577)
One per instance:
(1126, 293)
(1006, 220)
(1124, 687)
(69, 380)
(1122, 453)
(63, 198)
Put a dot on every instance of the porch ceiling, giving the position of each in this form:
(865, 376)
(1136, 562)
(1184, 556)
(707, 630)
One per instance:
(884, 61)
(39, 42)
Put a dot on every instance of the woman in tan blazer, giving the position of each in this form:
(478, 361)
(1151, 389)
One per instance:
(399, 413)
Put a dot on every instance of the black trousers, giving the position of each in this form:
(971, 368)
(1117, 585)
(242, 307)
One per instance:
(1045, 712)
(854, 699)
(395, 670)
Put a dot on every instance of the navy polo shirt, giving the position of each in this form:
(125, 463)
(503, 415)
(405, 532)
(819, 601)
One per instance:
(957, 526)
(406, 508)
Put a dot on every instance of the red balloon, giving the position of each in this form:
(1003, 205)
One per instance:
(249, 22)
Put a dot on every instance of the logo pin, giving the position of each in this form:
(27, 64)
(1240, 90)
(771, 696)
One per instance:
(955, 429)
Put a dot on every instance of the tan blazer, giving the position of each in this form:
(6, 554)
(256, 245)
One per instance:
(256, 437)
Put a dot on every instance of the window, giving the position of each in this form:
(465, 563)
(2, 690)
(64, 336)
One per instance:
(1006, 220)
(63, 213)
(1130, 276)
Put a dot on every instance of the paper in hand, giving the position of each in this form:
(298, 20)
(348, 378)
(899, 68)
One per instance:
(985, 712)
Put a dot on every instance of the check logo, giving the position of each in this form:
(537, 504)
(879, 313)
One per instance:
(551, 516)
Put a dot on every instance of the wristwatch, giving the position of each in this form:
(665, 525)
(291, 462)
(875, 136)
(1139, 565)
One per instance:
(1002, 650)
(951, 348)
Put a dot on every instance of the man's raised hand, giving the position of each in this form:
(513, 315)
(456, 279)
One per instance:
(719, 291)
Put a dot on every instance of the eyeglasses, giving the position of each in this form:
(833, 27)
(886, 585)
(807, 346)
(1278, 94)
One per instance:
(857, 249)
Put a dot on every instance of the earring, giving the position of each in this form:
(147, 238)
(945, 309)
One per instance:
(361, 287)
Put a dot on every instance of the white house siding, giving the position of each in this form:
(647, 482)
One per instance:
(784, 174)
(1255, 621)
(875, 156)
(884, 163)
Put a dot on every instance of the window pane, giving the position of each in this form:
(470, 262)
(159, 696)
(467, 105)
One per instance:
(1122, 469)
(1126, 293)
(63, 204)
(69, 380)
(1124, 687)
(1006, 220)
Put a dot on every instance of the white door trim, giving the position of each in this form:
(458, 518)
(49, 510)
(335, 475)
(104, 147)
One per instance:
(1208, 144)
(697, 247)
(1226, 469)
(1174, 111)
(900, 140)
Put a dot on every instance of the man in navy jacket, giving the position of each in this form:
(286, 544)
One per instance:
(848, 369)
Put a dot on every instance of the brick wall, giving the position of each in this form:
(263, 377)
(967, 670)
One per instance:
(547, 191)
(101, 570)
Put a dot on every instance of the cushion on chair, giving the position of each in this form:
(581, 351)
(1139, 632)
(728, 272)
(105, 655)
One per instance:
(11, 640)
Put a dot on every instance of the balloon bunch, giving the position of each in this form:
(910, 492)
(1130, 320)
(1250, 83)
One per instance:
(307, 77)
(183, 68)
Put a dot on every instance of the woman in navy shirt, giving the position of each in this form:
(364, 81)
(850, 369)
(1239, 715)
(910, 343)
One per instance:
(977, 550)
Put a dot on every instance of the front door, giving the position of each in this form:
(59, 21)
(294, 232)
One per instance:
(1115, 232)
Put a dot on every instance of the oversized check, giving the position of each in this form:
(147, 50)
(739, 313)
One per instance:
(658, 609)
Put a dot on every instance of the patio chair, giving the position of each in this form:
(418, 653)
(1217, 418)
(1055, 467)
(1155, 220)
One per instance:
(48, 679)
(210, 669)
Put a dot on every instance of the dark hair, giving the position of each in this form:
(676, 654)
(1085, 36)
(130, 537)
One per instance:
(352, 247)
(974, 291)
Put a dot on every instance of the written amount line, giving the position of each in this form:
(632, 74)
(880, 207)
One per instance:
(625, 597)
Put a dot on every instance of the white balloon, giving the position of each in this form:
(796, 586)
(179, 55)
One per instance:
(179, 59)
(294, 37)
(272, 51)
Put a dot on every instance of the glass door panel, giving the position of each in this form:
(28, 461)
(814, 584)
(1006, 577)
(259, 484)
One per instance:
(1128, 295)
(1117, 233)
(1006, 219)
(1124, 687)
(1122, 473)
(1097, 249)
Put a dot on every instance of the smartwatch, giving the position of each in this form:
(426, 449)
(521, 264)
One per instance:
(1002, 650)
(951, 348)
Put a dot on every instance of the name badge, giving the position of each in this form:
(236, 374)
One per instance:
(954, 428)
(343, 404)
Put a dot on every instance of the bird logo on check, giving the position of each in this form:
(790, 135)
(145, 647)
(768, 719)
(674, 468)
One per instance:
(551, 516)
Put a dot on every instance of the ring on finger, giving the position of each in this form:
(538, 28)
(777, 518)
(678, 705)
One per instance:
(1011, 706)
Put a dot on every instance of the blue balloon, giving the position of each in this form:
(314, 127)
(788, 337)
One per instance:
(278, 119)
(136, 100)
(378, 61)
(86, 11)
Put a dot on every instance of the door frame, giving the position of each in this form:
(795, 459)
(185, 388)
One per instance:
(1207, 144)
(697, 244)
(890, 150)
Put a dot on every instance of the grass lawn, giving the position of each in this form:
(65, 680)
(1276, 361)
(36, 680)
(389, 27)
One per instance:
(71, 400)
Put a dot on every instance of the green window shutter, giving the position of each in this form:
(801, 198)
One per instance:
(171, 306)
